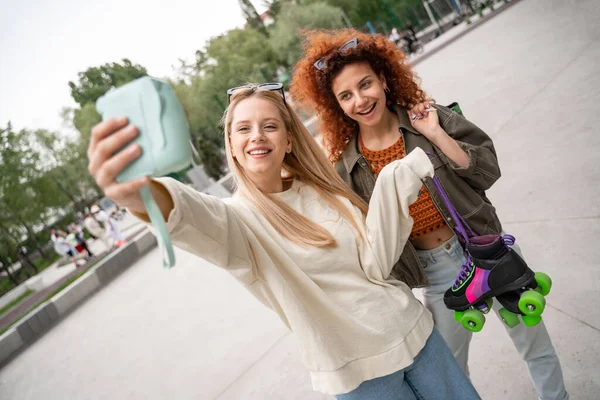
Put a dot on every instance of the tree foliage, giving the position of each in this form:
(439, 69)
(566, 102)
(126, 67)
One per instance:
(383, 14)
(96, 81)
(22, 190)
(274, 7)
(252, 17)
(285, 39)
(229, 60)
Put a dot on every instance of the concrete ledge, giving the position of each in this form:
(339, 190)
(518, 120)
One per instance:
(73, 295)
(10, 343)
(40, 320)
(145, 243)
(35, 283)
(116, 262)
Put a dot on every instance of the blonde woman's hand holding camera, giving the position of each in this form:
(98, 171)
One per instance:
(107, 160)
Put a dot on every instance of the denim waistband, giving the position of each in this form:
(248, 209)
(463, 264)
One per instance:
(449, 246)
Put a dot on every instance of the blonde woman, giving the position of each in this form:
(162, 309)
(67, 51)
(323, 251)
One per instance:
(304, 245)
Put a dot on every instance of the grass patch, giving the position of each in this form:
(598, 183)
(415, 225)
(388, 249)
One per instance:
(15, 301)
(43, 263)
(6, 285)
(61, 287)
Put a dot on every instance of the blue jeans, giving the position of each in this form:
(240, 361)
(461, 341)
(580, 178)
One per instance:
(442, 265)
(434, 374)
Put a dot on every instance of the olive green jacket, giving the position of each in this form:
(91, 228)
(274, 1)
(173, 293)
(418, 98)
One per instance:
(465, 186)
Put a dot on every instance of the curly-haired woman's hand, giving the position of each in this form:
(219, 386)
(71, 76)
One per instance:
(425, 120)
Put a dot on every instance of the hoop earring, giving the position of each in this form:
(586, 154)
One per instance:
(386, 89)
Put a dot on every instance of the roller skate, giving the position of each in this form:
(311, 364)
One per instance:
(493, 269)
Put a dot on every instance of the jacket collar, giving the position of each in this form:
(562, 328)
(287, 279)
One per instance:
(352, 154)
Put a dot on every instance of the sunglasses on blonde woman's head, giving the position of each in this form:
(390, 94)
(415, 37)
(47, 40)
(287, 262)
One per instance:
(271, 86)
(321, 63)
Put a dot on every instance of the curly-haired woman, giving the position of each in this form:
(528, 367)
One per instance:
(372, 112)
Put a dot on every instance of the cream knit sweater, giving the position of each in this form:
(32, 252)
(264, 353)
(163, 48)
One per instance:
(352, 320)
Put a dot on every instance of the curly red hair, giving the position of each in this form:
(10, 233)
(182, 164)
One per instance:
(311, 87)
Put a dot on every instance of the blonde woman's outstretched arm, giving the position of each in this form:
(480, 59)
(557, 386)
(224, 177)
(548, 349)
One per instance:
(388, 221)
(209, 228)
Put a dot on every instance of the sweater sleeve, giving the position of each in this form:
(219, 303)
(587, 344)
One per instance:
(209, 228)
(388, 221)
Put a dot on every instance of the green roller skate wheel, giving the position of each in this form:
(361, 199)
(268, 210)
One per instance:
(473, 320)
(532, 303)
(458, 315)
(544, 283)
(530, 320)
(510, 319)
(489, 302)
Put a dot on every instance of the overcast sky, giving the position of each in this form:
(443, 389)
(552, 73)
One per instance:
(44, 44)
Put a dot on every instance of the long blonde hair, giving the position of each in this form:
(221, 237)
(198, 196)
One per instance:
(306, 162)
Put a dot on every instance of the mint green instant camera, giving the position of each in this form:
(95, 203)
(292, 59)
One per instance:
(152, 106)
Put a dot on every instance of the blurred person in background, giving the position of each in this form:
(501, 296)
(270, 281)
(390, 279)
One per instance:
(395, 36)
(62, 245)
(80, 237)
(96, 229)
(110, 225)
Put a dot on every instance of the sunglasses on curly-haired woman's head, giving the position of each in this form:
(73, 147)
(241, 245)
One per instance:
(271, 86)
(321, 63)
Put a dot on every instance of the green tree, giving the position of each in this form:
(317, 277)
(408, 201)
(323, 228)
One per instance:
(65, 169)
(5, 262)
(384, 14)
(358, 11)
(228, 60)
(19, 167)
(285, 39)
(84, 119)
(240, 55)
(252, 17)
(96, 81)
(204, 129)
(274, 7)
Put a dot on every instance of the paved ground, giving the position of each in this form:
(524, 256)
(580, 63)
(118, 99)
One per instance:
(452, 33)
(531, 78)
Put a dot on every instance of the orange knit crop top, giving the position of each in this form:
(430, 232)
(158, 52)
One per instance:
(426, 216)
